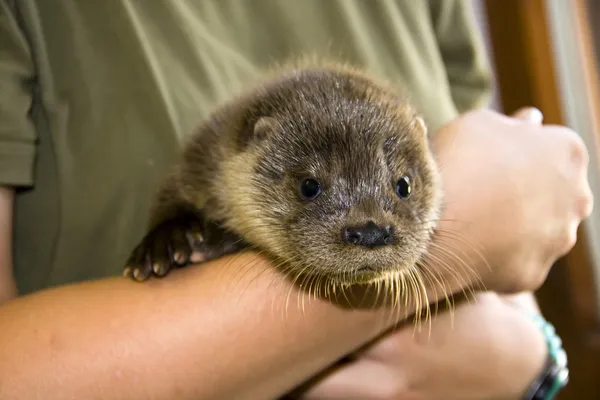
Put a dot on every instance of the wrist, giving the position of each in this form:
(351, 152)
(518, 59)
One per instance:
(460, 261)
(524, 301)
(555, 374)
(521, 355)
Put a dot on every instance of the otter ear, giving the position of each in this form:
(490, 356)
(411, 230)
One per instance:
(418, 124)
(256, 131)
(263, 127)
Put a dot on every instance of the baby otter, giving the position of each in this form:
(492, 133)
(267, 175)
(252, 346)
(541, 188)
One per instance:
(320, 166)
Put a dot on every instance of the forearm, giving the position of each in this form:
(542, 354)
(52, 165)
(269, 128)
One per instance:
(205, 332)
(525, 301)
(522, 348)
(7, 283)
(482, 350)
(497, 348)
(221, 330)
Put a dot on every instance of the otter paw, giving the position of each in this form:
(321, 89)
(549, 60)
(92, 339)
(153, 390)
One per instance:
(170, 245)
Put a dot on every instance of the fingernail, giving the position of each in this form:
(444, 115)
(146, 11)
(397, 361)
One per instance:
(535, 115)
(529, 114)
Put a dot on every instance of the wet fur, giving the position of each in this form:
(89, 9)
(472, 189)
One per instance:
(238, 176)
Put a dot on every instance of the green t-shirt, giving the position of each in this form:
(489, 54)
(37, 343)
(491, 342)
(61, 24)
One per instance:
(96, 95)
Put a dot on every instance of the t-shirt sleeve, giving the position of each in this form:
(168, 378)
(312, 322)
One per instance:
(17, 133)
(463, 50)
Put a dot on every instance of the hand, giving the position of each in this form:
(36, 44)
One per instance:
(524, 201)
(517, 186)
(489, 351)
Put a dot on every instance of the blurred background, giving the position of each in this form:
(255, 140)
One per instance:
(545, 53)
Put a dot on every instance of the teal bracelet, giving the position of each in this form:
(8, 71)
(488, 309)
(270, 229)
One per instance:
(556, 374)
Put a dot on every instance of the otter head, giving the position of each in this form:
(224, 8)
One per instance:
(336, 186)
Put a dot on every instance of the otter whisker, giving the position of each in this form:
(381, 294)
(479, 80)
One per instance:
(419, 303)
(413, 291)
(443, 233)
(446, 266)
(300, 292)
(302, 285)
(423, 290)
(461, 281)
(461, 262)
(404, 294)
(238, 255)
(467, 270)
(247, 267)
(436, 282)
(455, 235)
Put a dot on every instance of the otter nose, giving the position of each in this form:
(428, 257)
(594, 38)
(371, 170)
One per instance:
(368, 235)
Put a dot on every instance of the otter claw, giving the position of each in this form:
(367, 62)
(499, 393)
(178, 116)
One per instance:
(166, 247)
(180, 258)
(176, 243)
(141, 274)
(159, 269)
(196, 238)
(128, 272)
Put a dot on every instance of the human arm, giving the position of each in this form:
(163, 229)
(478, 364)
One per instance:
(486, 349)
(189, 336)
(17, 135)
(455, 361)
(8, 288)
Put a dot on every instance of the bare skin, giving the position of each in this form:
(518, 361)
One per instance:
(8, 288)
(182, 338)
(452, 362)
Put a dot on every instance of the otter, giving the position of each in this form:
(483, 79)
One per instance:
(321, 166)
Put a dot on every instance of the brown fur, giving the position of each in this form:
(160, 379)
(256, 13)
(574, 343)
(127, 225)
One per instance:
(240, 172)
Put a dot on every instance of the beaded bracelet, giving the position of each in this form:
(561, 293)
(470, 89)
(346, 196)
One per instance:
(556, 374)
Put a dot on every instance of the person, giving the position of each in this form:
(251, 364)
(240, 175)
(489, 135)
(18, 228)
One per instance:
(96, 97)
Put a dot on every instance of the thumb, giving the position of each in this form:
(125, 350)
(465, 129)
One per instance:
(529, 114)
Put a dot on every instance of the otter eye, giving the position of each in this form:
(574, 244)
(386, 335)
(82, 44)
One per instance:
(403, 187)
(310, 189)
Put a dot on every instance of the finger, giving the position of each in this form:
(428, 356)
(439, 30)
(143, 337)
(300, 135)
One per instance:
(586, 204)
(363, 379)
(529, 114)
